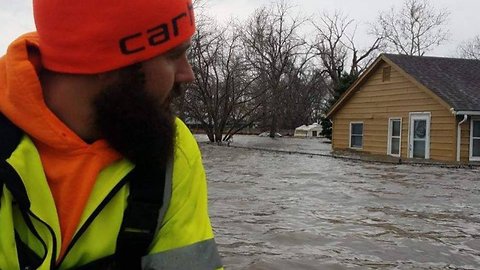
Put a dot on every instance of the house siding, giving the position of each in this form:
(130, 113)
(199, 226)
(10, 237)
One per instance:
(376, 101)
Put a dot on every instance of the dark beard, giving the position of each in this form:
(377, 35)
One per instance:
(134, 122)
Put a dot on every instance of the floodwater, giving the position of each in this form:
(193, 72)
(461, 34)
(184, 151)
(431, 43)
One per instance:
(284, 211)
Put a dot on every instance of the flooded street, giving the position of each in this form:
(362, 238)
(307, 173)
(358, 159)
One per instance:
(296, 211)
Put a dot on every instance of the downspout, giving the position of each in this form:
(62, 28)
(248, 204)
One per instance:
(459, 135)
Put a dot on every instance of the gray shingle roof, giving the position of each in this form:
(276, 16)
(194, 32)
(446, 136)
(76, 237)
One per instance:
(456, 81)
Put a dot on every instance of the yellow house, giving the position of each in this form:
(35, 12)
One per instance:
(412, 107)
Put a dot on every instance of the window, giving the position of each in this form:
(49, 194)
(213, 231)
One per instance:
(475, 140)
(356, 135)
(386, 74)
(394, 136)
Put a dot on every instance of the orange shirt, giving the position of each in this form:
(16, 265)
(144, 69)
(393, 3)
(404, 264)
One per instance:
(71, 177)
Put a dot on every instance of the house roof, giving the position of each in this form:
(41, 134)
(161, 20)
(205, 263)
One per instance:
(302, 127)
(314, 126)
(454, 81)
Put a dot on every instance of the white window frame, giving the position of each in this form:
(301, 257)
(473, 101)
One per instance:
(472, 158)
(350, 135)
(428, 115)
(390, 136)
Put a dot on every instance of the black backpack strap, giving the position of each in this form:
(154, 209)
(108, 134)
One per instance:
(141, 217)
(140, 221)
(10, 136)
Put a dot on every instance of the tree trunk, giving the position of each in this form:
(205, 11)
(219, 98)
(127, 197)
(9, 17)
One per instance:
(273, 125)
(218, 136)
(210, 135)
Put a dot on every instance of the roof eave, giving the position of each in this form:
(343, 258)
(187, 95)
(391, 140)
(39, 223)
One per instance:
(465, 112)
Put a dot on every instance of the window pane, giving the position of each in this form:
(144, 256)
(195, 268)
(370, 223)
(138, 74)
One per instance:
(396, 128)
(420, 129)
(476, 148)
(419, 149)
(357, 141)
(357, 129)
(476, 128)
(395, 146)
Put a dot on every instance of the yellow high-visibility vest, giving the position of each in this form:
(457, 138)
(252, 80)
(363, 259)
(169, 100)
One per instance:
(184, 239)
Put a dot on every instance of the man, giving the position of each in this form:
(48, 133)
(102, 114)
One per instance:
(102, 175)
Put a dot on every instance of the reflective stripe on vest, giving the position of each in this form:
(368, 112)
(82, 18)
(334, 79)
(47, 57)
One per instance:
(199, 256)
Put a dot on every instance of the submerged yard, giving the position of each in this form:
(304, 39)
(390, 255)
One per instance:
(275, 210)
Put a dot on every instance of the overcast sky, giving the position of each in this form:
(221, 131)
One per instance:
(464, 23)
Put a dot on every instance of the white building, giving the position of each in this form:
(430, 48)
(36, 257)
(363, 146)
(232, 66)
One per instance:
(312, 130)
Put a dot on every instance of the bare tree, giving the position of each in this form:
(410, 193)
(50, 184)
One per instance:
(416, 28)
(302, 101)
(340, 57)
(221, 98)
(336, 48)
(470, 48)
(271, 43)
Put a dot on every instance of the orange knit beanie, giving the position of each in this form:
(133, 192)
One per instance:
(94, 36)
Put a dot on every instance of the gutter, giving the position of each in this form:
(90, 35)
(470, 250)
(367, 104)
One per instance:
(459, 130)
(475, 113)
(459, 135)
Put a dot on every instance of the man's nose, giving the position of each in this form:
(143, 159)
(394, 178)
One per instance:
(184, 72)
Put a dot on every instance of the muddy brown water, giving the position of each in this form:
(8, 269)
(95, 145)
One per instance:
(279, 211)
